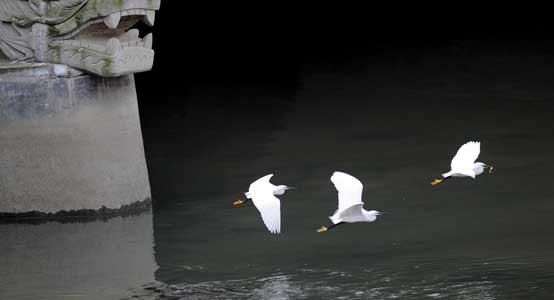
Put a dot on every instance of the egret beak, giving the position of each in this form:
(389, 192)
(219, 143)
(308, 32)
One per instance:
(238, 202)
(436, 181)
(291, 188)
(382, 213)
(322, 229)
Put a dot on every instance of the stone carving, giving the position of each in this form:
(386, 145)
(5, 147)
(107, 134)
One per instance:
(91, 35)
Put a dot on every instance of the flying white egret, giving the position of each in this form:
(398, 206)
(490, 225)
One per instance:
(350, 202)
(262, 193)
(463, 164)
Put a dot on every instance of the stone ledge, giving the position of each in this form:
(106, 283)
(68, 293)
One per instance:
(21, 70)
(77, 216)
(34, 97)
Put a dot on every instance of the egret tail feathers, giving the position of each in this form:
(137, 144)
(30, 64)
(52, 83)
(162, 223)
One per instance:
(335, 219)
(447, 174)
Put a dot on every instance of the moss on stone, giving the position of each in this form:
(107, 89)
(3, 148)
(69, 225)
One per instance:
(107, 68)
(52, 30)
(119, 3)
(56, 53)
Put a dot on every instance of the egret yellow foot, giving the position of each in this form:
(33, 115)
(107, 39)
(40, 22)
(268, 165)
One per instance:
(238, 202)
(436, 181)
(322, 229)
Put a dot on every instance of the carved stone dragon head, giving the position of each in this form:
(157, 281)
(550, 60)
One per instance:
(91, 35)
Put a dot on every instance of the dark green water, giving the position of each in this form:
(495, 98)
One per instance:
(395, 129)
(395, 125)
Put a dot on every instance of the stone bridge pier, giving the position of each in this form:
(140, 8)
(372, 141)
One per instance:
(70, 137)
(69, 142)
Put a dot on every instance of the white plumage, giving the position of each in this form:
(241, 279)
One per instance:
(349, 190)
(463, 164)
(350, 208)
(262, 192)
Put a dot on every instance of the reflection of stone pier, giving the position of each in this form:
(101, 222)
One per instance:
(69, 141)
(86, 260)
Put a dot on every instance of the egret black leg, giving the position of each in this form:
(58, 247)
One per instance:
(335, 225)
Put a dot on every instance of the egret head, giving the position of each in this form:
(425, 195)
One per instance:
(280, 189)
(481, 167)
(491, 168)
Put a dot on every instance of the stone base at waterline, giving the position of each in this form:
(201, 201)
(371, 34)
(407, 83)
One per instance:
(69, 142)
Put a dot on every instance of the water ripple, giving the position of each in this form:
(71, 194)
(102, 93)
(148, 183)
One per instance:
(479, 281)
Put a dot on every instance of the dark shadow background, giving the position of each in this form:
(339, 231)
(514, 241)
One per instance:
(236, 92)
(234, 50)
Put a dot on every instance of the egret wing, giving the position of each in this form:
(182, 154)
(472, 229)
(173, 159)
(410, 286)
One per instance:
(260, 183)
(349, 189)
(466, 155)
(269, 207)
(350, 214)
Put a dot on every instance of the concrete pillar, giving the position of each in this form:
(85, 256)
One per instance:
(69, 142)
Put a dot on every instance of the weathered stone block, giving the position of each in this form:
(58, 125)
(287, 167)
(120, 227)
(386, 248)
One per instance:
(96, 36)
(69, 143)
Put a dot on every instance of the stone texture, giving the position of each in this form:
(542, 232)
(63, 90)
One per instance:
(70, 143)
(90, 35)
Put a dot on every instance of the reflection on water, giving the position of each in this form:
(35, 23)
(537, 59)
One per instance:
(391, 122)
(480, 281)
(395, 125)
(91, 260)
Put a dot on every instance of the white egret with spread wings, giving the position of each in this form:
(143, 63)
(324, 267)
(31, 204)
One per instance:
(262, 193)
(350, 208)
(463, 164)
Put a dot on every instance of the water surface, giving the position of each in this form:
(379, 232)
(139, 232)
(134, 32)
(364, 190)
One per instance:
(394, 122)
